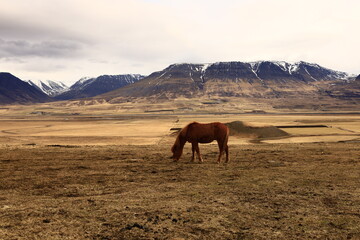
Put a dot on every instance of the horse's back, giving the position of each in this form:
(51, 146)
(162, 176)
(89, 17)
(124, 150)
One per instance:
(206, 132)
(214, 126)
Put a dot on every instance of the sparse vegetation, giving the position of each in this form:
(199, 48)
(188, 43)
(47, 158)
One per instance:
(104, 176)
(276, 191)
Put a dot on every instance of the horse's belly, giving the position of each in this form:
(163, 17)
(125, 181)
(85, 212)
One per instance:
(205, 140)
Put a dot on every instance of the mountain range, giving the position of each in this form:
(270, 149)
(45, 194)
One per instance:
(272, 81)
(263, 79)
(16, 91)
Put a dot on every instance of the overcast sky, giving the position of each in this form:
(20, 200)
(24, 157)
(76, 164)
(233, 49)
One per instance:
(64, 40)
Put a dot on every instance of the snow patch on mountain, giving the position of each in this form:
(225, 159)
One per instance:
(84, 79)
(51, 88)
(283, 65)
(82, 83)
(293, 68)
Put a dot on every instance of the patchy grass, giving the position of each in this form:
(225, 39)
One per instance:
(267, 191)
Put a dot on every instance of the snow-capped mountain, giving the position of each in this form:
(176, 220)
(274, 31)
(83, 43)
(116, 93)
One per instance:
(82, 82)
(261, 79)
(89, 87)
(278, 83)
(273, 70)
(49, 87)
(307, 70)
(106, 80)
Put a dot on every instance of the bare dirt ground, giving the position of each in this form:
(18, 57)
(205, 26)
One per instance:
(66, 176)
(267, 191)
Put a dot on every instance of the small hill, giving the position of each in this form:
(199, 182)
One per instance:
(15, 91)
(238, 128)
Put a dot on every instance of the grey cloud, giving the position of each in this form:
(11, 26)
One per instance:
(45, 67)
(16, 29)
(50, 49)
(25, 29)
(13, 60)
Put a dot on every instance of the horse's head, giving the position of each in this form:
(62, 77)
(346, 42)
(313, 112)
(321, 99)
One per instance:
(177, 151)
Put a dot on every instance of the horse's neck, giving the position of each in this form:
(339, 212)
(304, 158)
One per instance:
(182, 139)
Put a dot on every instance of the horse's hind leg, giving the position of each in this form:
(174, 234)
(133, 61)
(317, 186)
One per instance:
(223, 148)
(196, 145)
(227, 153)
(221, 151)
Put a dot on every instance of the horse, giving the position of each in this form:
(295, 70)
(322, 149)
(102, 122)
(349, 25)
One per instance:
(196, 133)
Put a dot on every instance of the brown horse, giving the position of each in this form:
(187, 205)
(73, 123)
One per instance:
(196, 133)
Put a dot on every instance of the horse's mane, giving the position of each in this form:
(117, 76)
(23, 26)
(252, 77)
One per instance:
(183, 132)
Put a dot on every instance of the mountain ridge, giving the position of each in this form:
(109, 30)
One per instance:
(271, 81)
(51, 88)
(90, 87)
(258, 80)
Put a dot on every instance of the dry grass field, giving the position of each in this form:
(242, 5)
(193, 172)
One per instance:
(271, 191)
(103, 176)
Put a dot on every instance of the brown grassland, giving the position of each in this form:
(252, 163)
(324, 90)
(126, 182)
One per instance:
(103, 176)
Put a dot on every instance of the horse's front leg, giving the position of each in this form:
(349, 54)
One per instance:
(220, 156)
(193, 148)
(198, 152)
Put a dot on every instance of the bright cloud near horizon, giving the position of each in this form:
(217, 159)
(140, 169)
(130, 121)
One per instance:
(64, 40)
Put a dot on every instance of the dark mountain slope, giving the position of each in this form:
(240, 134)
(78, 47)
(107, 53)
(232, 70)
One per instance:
(13, 90)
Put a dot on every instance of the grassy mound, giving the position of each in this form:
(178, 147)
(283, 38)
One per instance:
(238, 128)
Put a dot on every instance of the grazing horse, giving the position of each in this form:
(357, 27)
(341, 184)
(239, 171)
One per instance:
(196, 133)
